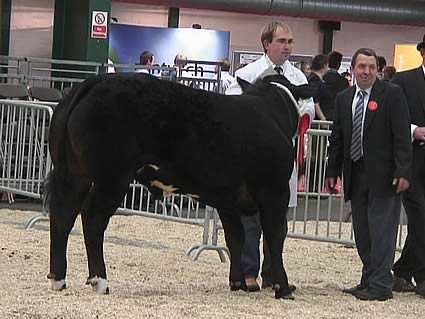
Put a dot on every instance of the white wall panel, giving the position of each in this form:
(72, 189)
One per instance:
(380, 37)
(31, 27)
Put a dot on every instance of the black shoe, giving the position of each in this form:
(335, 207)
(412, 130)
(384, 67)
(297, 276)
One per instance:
(420, 288)
(372, 294)
(403, 285)
(354, 289)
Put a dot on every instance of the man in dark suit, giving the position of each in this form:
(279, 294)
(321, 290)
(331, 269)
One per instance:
(412, 259)
(334, 83)
(370, 143)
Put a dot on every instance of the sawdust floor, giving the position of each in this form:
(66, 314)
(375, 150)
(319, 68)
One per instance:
(151, 277)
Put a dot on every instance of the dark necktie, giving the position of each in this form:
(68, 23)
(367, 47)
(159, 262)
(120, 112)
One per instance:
(356, 137)
(278, 69)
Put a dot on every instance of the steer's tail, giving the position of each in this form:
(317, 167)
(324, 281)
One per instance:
(59, 179)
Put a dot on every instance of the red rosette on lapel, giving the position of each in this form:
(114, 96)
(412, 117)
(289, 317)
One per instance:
(372, 105)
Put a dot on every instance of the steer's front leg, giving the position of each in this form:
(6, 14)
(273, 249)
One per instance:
(100, 205)
(274, 224)
(94, 227)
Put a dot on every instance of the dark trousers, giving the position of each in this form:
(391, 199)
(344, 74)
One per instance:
(251, 252)
(375, 221)
(412, 260)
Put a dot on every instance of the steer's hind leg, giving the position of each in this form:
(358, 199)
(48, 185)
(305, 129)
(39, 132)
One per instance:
(274, 223)
(103, 200)
(235, 236)
(65, 201)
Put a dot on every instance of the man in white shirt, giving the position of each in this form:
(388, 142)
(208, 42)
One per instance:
(225, 77)
(147, 59)
(277, 42)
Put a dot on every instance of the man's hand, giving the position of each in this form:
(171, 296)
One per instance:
(419, 133)
(330, 183)
(401, 184)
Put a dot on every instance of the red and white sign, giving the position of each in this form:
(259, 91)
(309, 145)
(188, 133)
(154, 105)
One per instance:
(99, 24)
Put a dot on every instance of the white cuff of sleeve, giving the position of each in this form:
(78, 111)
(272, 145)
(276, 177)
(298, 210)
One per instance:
(413, 127)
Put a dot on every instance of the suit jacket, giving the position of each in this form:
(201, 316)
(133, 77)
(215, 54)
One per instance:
(334, 83)
(386, 139)
(413, 84)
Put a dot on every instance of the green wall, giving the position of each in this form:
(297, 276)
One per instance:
(72, 31)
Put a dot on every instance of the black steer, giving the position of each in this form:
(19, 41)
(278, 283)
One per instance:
(232, 152)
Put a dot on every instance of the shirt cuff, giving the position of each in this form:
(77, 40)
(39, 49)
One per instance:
(413, 127)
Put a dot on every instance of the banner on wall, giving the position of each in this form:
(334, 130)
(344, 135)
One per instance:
(127, 42)
(406, 57)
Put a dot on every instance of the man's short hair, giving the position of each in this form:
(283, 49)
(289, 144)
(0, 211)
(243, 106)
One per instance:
(364, 51)
(381, 63)
(269, 31)
(319, 62)
(145, 57)
(178, 60)
(389, 72)
(334, 59)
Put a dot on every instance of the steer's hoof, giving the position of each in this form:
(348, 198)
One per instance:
(56, 285)
(99, 285)
(281, 293)
(292, 288)
(237, 285)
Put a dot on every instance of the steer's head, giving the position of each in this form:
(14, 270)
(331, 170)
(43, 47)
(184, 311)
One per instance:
(303, 91)
(282, 96)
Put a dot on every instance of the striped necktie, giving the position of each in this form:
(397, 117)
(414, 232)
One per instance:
(356, 137)
(278, 69)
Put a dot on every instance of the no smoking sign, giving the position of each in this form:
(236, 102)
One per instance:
(99, 24)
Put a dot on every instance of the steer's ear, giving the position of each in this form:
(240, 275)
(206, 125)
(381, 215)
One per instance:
(243, 84)
(306, 91)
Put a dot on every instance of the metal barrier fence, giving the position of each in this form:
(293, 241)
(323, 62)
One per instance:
(61, 74)
(205, 75)
(11, 69)
(58, 73)
(24, 155)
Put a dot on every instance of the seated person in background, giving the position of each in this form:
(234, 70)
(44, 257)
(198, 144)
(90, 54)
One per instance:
(179, 63)
(225, 76)
(146, 58)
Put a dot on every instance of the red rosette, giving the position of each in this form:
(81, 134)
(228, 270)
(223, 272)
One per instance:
(372, 105)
